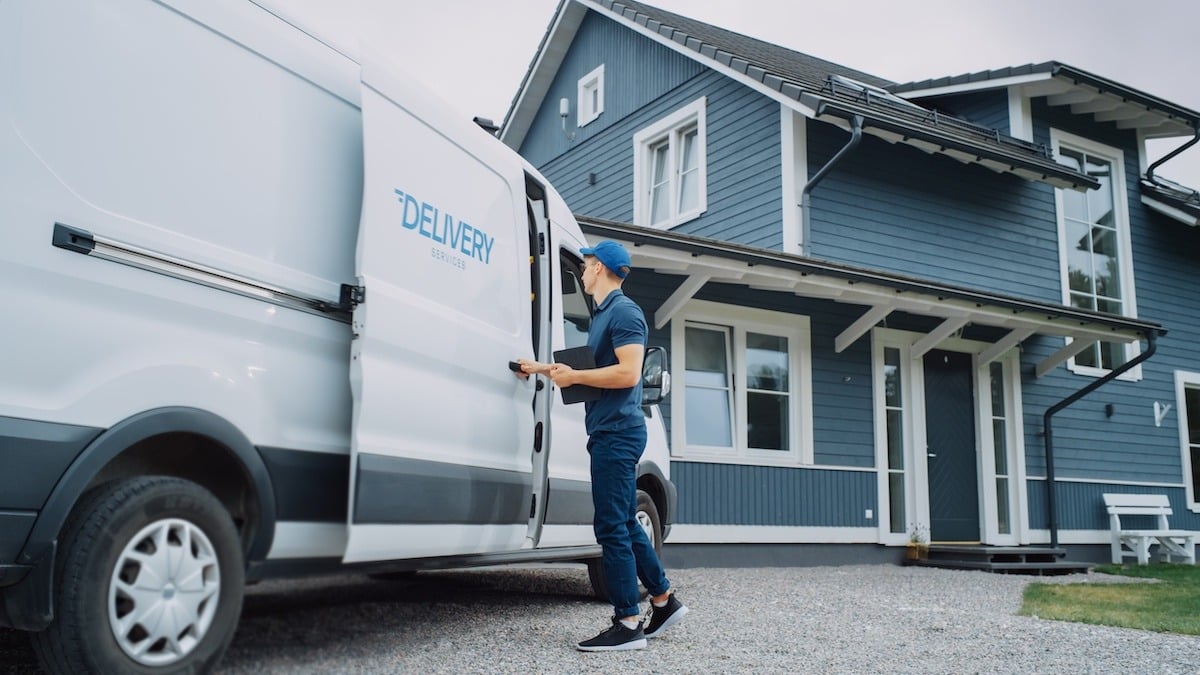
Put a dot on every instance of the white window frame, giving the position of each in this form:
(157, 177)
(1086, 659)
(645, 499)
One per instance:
(669, 129)
(1116, 156)
(794, 327)
(1185, 380)
(584, 110)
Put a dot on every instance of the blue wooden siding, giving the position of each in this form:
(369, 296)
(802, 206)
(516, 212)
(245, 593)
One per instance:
(630, 83)
(893, 207)
(986, 108)
(729, 494)
(1126, 446)
(645, 82)
(1081, 506)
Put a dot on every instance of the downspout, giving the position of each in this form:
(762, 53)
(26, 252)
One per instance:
(1051, 501)
(1170, 155)
(856, 125)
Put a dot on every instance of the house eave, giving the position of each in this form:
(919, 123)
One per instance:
(701, 261)
(1064, 85)
(895, 128)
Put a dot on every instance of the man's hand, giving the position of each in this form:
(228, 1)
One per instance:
(529, 367)
(563, 375)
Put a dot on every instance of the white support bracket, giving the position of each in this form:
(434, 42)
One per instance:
(935, 336)
(679, 298)
(1014, 338)
(1059, 357)
(860, 327)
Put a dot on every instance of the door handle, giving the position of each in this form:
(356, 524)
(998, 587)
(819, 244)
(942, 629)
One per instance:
(932, 454)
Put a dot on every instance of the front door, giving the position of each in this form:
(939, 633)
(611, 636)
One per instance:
(950, 436)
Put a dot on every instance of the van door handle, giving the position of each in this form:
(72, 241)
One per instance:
(932, 454)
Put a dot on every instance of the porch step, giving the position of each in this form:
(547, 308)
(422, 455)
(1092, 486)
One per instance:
(1038, 560)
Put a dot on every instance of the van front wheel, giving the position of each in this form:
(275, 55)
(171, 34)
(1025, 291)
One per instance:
(648, 518)
(149, 579)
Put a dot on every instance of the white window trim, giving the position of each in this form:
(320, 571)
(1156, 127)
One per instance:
(1121, 208)
(912, 400)
(693, 112)
(583, 109)
(796, 328)
(1184, 379)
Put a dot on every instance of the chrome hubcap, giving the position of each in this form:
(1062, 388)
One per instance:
(163, 592)
(643, 519)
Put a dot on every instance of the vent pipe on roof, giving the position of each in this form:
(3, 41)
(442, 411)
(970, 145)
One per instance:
(1170, 155)
(1051, 500)
(856, 125)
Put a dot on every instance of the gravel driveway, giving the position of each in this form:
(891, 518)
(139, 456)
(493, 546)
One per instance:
(852, 619)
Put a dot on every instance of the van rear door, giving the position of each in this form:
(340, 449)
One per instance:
(442, 430)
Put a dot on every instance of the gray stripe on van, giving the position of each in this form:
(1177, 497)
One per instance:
(569, 503)
(403, 491)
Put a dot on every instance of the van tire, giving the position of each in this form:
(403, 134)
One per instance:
(115, 532)
(647, 516)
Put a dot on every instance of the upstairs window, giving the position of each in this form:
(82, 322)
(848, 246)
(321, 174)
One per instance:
(1093, 226)
(669, 169)
(591, 96)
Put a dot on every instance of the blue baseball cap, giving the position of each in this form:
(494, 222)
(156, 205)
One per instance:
(612, 255)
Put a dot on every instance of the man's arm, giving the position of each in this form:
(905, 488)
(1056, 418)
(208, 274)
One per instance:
(623, 374)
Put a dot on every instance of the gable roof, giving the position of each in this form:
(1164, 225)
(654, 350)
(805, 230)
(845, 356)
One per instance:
(1063, 84)
(804, 83)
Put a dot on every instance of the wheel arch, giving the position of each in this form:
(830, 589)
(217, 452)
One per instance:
(654, 482)
(131, 447)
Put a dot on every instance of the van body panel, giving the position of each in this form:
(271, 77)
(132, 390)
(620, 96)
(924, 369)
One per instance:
(213, 135)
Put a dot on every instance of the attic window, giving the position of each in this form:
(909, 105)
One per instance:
(868, 92)
(591, 96)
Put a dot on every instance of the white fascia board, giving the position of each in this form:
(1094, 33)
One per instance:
(700, 58)
(567, 19)
(964, 87)
(1171, 212)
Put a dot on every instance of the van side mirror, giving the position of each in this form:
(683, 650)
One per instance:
(656, 380)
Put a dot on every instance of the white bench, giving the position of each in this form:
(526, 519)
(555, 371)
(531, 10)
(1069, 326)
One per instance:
(1126, 543)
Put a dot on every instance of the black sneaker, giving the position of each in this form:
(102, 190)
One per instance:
(662, 618)
(615, 638)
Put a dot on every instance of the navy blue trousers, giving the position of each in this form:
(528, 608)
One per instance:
(626, 550)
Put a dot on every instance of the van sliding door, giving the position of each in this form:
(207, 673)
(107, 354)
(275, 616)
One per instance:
(442, 430)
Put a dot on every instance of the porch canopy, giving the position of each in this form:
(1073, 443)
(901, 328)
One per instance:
(701, 260)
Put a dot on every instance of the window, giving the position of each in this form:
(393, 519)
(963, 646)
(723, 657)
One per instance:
(576, 305)
(1000, 447)
(591, 96)
(893, 405)
(745, 385)
(1097, 269)
(669, 169)
(1187, 399)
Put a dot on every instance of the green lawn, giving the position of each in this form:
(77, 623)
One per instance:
(1170, 605)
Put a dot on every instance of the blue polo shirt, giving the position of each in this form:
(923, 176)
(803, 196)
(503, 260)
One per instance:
(618, 322)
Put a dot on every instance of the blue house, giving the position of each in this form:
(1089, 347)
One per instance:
(961, 309)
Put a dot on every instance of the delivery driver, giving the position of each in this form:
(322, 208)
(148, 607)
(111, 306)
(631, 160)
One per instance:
(616, 431)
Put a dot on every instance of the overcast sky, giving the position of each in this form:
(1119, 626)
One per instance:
(475, 52)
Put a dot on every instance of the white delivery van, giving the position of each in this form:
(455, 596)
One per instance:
(259, 299)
